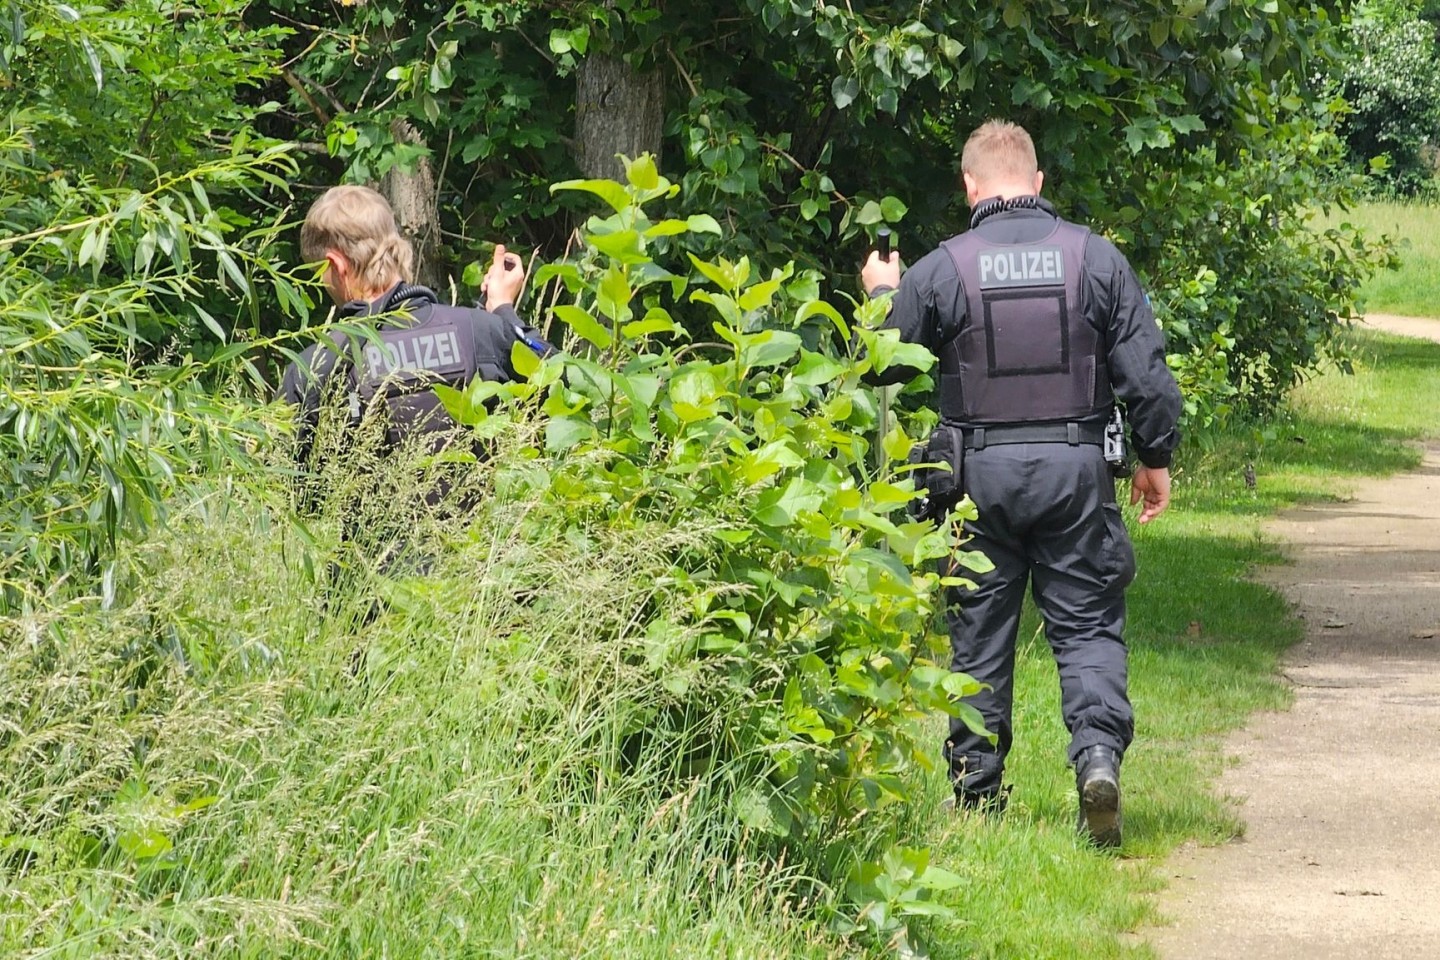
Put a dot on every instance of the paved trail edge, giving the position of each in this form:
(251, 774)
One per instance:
(1341, 856)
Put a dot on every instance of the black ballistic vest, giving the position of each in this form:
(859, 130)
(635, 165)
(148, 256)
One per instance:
(438, 347)
(1026, 353)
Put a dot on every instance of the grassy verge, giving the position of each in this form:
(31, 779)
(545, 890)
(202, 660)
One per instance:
(1414, 289)
(1205, 642)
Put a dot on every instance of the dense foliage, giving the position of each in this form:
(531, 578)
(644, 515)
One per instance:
(127, 191)
(803, 126)
(1390, 76)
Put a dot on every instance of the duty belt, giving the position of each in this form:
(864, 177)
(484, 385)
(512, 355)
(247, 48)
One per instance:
(978, 438)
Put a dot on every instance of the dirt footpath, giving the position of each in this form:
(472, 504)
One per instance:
(1341, 794)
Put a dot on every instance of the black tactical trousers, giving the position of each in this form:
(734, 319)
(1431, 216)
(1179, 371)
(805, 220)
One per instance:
(1047, 516)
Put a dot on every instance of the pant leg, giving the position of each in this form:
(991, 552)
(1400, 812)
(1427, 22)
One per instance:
(1082, 563)
(983, 624)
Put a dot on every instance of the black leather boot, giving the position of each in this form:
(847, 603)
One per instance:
(1097, 780)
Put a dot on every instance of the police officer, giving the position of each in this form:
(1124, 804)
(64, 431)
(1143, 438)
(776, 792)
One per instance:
(421, 342)
(1040, 327)
(351, 229)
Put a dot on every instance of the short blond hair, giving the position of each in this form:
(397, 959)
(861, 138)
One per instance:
(999, 151)
(358, 223)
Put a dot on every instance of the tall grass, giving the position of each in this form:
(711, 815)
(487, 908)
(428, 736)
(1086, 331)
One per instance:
(254, 758)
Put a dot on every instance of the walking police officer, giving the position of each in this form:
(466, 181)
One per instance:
(1040, 327)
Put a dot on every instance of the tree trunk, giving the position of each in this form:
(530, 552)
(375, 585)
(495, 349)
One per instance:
(414, 199)
(617, 110)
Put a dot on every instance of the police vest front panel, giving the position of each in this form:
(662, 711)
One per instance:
(1026, 352)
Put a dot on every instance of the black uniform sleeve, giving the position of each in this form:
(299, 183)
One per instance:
(303, 386)
(928, 308)
(1136, 354)
(503, 329)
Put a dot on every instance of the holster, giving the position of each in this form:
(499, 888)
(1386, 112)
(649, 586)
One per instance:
(940, 472)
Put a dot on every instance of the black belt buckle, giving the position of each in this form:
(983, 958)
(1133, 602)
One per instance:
(977, 438)
(1072, 433)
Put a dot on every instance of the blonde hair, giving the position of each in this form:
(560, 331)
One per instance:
(358, 223)
(1000, 152)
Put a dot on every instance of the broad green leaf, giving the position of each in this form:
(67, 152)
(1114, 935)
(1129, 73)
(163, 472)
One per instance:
(815, 369)
(641, 172)
(760, 294)
(769, 460)
(667, 228)
(562, 433)
(703, 223)
(769, 348)
(523, 359)
(622, 245)
(608, 190)
(613, 296)
(584, 325)
(823, 309)
(892, 209)
(144, 843)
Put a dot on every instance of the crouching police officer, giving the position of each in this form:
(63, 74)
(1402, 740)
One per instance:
(1040, 327)
(421, 342)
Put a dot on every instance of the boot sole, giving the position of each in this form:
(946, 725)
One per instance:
(1100, 812)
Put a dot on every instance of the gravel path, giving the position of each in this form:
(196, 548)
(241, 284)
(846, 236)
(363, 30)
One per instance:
(1340, 794)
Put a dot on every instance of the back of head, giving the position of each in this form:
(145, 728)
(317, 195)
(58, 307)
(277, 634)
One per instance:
(359, 224)
(1000, 153)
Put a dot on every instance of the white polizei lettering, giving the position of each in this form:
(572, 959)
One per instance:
(1048, 259)
(446, 350)
(375, 359)
(987, 263)
(402, 357)
(1002, 267)
(1032, 264)
(426, 356)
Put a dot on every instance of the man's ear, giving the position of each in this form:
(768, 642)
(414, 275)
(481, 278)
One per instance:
(1039, 181)
(972, 189)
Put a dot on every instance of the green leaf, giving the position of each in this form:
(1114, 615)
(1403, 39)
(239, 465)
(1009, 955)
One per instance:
(608, 190)
(892, 209)
(655, 321)
(703, 223)
(144, 843)
(523, 359)
(667, 228)
(622, 245)
(760, 294)
(769, 348)
(562, 433)
(869, 213)
(821, 308)
(584, 325)
(613, 296)
(896, 444)
(769, 460)
(844, 90)
(815, 369)
(641, 172)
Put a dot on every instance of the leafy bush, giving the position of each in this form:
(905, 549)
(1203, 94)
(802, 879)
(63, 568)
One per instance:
(119, 252)
(1390, 75)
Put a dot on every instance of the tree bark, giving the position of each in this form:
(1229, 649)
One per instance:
(416, 203)
(618, 109)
